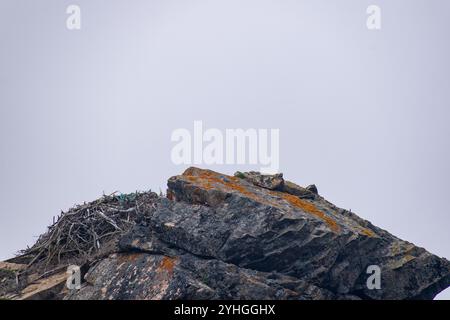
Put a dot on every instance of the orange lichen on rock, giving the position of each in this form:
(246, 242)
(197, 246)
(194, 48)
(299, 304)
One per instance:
(206, 179)
(167, 264)
(310, 208)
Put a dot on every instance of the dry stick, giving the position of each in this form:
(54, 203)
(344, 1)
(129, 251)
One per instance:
(101, 214)
(34, 259)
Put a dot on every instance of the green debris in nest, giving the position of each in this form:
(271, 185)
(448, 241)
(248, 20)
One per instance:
(127, 198)
(239, 175)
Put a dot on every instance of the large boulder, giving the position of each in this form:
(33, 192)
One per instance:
(268, 234)
(253, 236)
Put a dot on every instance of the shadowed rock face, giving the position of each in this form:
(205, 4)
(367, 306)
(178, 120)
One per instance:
(251, 236)
(158, 276)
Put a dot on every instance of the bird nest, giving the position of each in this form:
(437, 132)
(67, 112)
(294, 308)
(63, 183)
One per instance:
(86, 230)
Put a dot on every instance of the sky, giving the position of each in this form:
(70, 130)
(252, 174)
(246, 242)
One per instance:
(363, 114)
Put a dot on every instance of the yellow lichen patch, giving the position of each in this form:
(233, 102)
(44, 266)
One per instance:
(400, 247)
(167, 264)
(367, 232)
(310, 208)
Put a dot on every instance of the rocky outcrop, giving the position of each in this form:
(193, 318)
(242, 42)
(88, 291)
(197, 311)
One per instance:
(186, 276)
(253, 236)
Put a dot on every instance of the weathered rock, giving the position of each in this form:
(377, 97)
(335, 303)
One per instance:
(253, 236)
(312, 188)
(185, 276)
(48, 288)
(277, 182)
(8, 277)
(271, 182)
(17, 284)
(256, 228)
(296, 190)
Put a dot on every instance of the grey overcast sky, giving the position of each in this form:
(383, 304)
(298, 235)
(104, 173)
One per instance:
(362, 114)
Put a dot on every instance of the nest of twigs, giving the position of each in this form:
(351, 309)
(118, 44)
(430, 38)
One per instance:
(85, 230)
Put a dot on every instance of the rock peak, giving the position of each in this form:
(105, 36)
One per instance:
(216, 236)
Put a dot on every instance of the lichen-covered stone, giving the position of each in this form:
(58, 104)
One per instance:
(235, 220)
(271, 182)
(251, 236)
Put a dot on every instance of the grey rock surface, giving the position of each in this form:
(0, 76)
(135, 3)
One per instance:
(157, 276)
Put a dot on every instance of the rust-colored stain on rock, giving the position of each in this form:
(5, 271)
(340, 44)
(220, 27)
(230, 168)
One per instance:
(167, 264)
